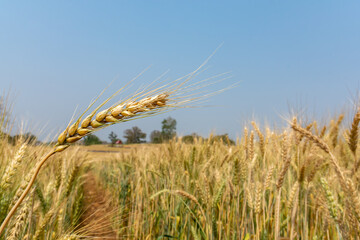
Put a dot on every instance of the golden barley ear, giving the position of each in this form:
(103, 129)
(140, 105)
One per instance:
(335, 130)
(319, 142)
(286, 162)
(261, 139)
(354, 133)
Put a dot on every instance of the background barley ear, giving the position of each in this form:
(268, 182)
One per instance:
(188, 196)
(331, 204)
(202, 195)
(258, 197)
(251, 146)
(261, 139)
(215, 208)
(246, 142)
(39, 234)
(284, 147)
(249, 198)
(277, 215)
(16, 231)
(236, 171)
(354, 133)
(304, 171)
(22, 187)
(268, 178)
(71, 179)
(40, 196)
(195, 234)
(319, 160)
(308, 128)
(292, 195)
(243, 170)
(319, 142)
(11, 169)
(323, 132)
(58, 176)
(286, 163)
(334, 132)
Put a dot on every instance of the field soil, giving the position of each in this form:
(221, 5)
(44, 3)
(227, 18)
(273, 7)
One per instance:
(97, 216)
(101, 149)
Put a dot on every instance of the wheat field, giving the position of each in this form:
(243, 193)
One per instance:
(298, 183)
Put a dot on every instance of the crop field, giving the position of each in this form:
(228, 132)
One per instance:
(180, 120)
(298, 183)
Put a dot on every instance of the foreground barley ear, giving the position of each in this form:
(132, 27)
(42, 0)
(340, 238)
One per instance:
(150, 101)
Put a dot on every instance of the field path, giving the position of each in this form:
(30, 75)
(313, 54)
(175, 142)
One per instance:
(96, 218)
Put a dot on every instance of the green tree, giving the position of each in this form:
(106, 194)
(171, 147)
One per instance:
(134, 135)
(91, 140)
(190, 138)
(28, 137)
(168, 129)
(223, 138)
(155, 136)
(113, 138)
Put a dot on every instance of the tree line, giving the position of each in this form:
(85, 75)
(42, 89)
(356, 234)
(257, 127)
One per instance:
(136, 135)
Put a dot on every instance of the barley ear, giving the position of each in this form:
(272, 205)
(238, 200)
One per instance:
(11, 169)
(319, 142)
(261, 139)
(354, 133)
(330, 199)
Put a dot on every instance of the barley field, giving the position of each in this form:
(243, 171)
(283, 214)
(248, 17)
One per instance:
(300, 182)
(180, 120)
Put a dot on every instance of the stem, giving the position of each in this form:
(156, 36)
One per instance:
(26, 191)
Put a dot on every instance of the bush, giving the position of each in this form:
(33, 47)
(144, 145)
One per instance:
(91, 140)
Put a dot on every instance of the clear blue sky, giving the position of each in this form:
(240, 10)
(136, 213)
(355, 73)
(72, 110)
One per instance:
(55, 55)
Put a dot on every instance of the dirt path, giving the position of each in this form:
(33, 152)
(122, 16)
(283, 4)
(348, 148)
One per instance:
(97, 216)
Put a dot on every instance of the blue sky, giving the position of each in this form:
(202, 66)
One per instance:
(58, 55)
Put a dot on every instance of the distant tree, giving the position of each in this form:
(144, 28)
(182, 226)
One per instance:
(91, 140)
(155, 136)
(134, 135)
(224, 138)
(30, 138)
(113, 138)
(168, 129)
(190, 138)
(27, 137)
